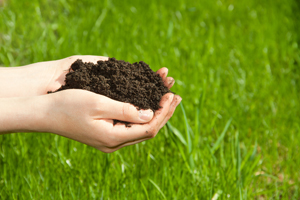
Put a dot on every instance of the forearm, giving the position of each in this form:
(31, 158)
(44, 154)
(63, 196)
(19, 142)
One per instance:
(22, 114)
(30, 80)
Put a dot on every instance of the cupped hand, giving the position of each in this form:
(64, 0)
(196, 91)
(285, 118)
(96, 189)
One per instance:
(88, 118)
(40, 78)
(78, 114)
(62, 68)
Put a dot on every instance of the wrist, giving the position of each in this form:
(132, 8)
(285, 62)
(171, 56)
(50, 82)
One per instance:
(25, 81)
(23, 114)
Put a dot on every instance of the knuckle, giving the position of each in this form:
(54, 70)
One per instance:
(152, 132)
(158, 112)
(169, 115)
(126, 110)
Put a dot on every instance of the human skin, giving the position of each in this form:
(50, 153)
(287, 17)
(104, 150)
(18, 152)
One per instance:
(77, 114)
(39, 78)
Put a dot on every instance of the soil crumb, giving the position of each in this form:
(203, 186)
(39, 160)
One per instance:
(133, 83)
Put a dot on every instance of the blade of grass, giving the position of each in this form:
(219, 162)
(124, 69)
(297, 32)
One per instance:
(177, 133)
(189, 140)
(188, 136)
(197, 118)
(100, 20)
(221, 137)
(249, 156)
(182, 153)
(158, 188)
(145, 190)
(238, 150)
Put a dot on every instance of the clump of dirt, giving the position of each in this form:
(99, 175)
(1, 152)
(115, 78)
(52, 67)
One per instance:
(119, 80)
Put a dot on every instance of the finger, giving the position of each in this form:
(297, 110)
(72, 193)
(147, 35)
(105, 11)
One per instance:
(113, 142)
(123, 111)
(163, 72)
(148, 130)
(176, 101)
(169, 82)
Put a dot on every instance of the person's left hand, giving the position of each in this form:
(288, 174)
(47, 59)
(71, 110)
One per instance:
(40, 78)
(63, 66)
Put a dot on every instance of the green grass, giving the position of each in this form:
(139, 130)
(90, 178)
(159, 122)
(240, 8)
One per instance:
(236, 65)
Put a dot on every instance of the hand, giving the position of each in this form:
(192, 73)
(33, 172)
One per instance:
(77, 114)
(62, 68)
(88, 118)
(39, 78)
(85, 117)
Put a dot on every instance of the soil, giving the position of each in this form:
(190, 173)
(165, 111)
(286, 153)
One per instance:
(119, 80)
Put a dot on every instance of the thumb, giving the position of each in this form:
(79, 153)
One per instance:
(125, 112)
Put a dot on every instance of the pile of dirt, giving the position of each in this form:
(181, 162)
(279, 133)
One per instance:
(119, 80)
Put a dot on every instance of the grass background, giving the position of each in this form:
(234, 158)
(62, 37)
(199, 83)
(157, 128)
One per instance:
(236, 133)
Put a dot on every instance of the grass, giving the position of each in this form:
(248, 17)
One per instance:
(236, 133)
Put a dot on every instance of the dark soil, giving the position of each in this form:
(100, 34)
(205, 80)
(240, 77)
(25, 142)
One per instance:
(131, 83)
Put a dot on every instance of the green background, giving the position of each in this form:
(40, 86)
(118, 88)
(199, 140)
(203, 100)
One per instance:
(236, 66)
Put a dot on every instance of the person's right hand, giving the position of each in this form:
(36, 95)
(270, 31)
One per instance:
(88, 118)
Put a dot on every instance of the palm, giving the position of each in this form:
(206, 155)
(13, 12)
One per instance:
(62, 68)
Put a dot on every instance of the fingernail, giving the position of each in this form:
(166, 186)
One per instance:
(179, 100)
(171, 81)
(173, 96)
(145, 114)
